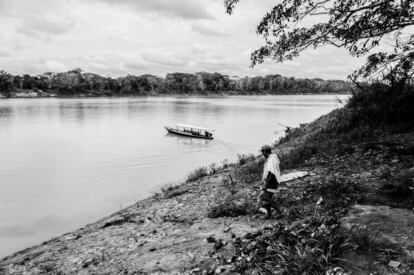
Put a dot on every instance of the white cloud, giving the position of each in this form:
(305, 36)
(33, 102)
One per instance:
(152, 36)
(37, 25)
(55, 66)
(186, 9)
(165, 59)
(207, 30)
(4, 54)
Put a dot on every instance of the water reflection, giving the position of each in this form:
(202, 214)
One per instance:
(6, 112)
(189, 141)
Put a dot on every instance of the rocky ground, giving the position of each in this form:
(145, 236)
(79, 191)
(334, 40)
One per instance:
(351, 214)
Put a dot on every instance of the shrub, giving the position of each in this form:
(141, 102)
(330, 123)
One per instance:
(172, 190)
(250, 172)
(225, 163)
(227, 204)
(213, 168)
(378, 103)
(244, 158)
(282, 249)
(198, 174)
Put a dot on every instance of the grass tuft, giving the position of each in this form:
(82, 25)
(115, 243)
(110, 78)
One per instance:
(244, 158)
(198, 174)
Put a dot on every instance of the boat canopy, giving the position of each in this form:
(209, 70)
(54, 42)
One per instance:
(195, 127)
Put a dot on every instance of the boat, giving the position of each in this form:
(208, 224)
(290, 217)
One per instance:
(191, 131)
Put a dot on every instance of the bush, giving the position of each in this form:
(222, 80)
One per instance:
(227, 204)
(374, 109)
(172, 190)
(250, 172)
(198, 174)
(381, 103)
(213, 168)
(283, 249)
(244, 158)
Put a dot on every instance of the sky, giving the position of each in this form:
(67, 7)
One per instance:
(120, 37)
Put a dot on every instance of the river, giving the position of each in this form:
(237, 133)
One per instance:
(68, 162)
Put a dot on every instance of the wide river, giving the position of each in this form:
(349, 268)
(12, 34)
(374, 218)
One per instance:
(68, 162)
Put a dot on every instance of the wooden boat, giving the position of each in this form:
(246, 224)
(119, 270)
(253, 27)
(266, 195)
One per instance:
(191, 131)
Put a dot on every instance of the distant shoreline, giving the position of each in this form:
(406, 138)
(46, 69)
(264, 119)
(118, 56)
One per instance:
(29, 94)
(76, 83)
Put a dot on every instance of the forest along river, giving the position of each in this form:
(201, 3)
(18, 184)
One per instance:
(68, 162)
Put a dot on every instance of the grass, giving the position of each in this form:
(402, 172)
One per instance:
(310, 240)
(282, 249)
(313, 245)
(244, 158)
(374, 110)
(236, 195)
(172, 190)
(198, 174)
(227, 204)
(207, 170)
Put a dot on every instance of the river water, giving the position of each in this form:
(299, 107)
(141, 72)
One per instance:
(68, 162)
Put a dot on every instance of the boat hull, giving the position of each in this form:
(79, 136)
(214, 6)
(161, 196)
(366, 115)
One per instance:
(185, 134)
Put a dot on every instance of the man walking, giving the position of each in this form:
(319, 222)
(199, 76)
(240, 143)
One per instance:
(270, 179)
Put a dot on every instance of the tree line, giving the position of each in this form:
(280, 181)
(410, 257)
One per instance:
(75, 82)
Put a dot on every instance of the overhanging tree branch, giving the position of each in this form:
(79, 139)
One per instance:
(357, 25)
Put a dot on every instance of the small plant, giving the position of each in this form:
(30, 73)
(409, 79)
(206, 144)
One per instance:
(213, 168)
(198, 174)
(283, 249)
(244, 158)
(225, 163)
(230, 202)
(363, 239)
(169, 187)
(172, 190)
(250, 172)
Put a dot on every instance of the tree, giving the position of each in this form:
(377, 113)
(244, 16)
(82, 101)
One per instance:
(6, 82)
(357, 25)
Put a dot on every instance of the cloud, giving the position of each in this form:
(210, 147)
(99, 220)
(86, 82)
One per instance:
(55, 66)
(135, 65)
(4, 54)
(198, 48)
(165, 59)
(186, 9)
(207, 30)
(120, 37)
(37, 25)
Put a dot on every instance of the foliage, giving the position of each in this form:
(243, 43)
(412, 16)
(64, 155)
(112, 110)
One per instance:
(284, 249)
(374, 109)
(172, 190)
(76, 82)
(250, 172)
(358, 26)
(335, 194)
(379, 103)
(5, 82)
(232, 199)
(198, 174)
(308, 241)
(315, 255)
(214, 168)
(206, 170)
(228, 204)
(244, 158)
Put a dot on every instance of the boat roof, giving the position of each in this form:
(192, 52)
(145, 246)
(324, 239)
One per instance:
(194, 127)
